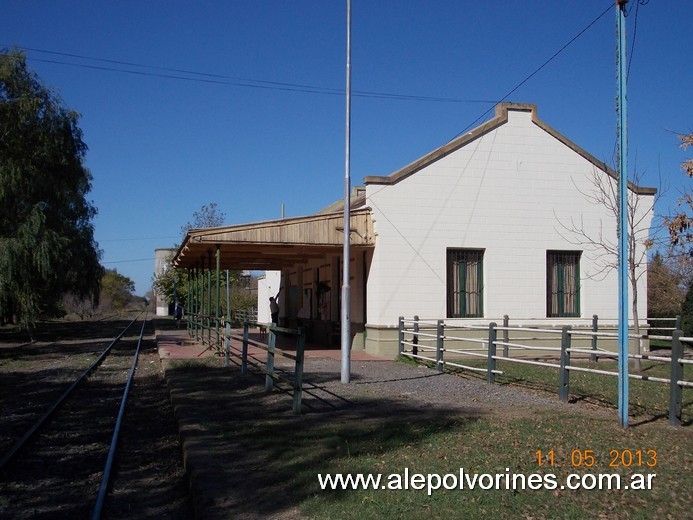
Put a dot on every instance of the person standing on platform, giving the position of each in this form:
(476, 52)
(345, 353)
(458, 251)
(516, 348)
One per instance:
(178, 314)
(274, 307)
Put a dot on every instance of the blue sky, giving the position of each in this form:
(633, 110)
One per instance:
(257, 119)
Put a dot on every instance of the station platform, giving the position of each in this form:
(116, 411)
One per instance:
(178, 344)
(212, 462)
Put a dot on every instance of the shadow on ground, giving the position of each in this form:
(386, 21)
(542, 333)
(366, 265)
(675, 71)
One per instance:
(248, 456)
(53, 331)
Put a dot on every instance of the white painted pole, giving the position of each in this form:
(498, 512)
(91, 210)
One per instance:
(346, 289)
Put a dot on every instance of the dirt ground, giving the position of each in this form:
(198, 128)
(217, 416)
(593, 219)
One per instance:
(58, 476)
(200, 440)
(214, 404)
(178, 408)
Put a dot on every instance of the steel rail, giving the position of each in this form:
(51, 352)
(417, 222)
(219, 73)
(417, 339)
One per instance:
(526, 362)
(473, 369)
(103, 489)
(470, 340)
(35, 427)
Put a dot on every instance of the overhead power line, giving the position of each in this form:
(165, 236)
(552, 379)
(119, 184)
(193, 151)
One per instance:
(220, 79)
(135, 239)
(128, 261)
(554, 56)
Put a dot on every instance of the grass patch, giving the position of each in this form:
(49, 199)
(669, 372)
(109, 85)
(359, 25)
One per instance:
(271, 459)
(499, 446)
(194, 364)
(15, 364)
(647, 399)
(482, 446)
(509, 446)
(409, 361)
(657, 344)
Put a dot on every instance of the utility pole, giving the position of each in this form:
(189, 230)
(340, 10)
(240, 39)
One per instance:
(622, 133)
(346, 289)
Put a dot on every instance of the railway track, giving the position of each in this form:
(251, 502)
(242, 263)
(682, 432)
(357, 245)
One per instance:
(64, 449)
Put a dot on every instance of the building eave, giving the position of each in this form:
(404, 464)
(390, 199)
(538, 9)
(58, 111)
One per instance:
(273, 244)
(500, 118)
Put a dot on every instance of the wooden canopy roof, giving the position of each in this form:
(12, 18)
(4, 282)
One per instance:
(274, 244)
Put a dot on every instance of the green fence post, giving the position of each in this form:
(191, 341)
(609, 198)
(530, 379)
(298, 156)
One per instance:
(564, 374)
(506, 335)
(675, 390)
(269, 381)
(677, 322)
(595, 329)
(400, 336)
(196, 285)
(244, 348)
(228, 344)
(187, 307)
(415, 339)
(298, 383)
(491, 365)
(192, 315)
(440, 346)
(218, 293)
(201, 309)
(209, 299)
(228, 297)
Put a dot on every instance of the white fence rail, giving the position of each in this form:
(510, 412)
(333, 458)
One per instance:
(447, 344)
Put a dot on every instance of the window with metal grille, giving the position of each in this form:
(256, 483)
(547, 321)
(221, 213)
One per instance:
(562, 284)
(465, 283)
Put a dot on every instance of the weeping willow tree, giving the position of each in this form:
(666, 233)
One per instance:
(47, 246)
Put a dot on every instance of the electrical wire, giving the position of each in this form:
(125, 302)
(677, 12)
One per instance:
(135, 239)
(128, 261)
(630, 58)
(204, 77)
(559, 51)
(383, 215)
(219, 79)
(635, 32)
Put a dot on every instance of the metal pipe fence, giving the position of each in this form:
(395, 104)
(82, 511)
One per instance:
(268, 368)
(445, 343)
(216, 333)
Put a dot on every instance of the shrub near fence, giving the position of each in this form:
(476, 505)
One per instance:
(660, 330)
(447, 344)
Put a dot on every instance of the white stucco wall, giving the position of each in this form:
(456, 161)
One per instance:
(507, 193)
(161, 258)
(267, 286)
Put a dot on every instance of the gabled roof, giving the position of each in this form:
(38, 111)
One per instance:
(500, 119)
(274, 244)
(357, 200)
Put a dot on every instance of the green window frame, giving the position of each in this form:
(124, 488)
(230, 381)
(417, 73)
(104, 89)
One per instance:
(465, 283)
(563, 284)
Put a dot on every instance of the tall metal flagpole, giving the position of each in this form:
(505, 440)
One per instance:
(622, 216)
(346, 289)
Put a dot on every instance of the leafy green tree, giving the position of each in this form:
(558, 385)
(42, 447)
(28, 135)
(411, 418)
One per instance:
(47, 246)
(665, 288)
(239, 296)
(208, 216)
(116, 294)
(687, 313)
(172, 282)
(116, 289)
